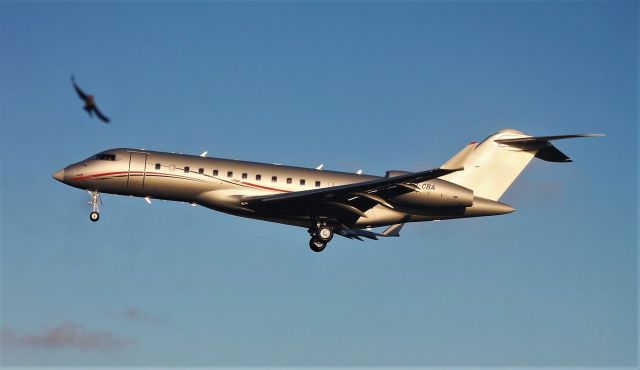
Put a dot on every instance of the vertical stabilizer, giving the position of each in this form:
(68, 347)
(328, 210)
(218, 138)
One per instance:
(494, 164)
(458, 160)
(492, 167)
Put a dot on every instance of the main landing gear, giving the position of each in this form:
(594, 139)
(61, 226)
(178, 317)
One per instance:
(321, 234)
(95, 204)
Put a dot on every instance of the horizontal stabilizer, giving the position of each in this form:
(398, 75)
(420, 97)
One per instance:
(545, 150)
(552, 154)
(538, 142)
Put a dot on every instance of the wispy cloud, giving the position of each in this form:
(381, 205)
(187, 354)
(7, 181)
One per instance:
(135, 314)
(68, 335)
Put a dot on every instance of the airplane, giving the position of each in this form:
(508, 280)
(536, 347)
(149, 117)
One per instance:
(327, 203)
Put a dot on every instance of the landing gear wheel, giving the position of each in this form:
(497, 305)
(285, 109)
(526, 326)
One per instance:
(317, 245)
(324, 234)
(95, 205)
(94, 216)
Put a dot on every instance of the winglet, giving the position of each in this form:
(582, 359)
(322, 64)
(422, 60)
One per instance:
(320, 167)
(456, 162)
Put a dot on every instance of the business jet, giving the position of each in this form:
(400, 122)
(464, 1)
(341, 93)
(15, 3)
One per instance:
(327, 203)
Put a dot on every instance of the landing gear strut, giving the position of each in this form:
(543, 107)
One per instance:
(321, 234)
(95, 204)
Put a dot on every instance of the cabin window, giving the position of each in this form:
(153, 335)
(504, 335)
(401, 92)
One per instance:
(157, 166)
(289, 180)
(317, 184)
(274, 178)
(258, 177)
(215, 172)
(244, 176)
(186, 170)
(201, 171)
(229, 173)
(302, 182)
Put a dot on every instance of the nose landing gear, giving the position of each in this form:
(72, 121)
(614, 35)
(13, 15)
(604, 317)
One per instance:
(95, 204)
(94, 216)
(321, 234)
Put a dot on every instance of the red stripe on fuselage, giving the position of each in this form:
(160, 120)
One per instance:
(261, 187)
(78, 178)
(101, 174)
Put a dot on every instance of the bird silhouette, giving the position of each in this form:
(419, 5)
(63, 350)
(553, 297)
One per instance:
(89, 102)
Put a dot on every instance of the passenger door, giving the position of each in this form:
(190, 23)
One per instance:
(137, 170)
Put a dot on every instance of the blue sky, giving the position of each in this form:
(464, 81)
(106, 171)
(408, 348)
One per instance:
(376, 86)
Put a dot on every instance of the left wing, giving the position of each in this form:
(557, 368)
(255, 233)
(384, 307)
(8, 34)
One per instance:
(391, 231)
(343, 203)
(79, 91)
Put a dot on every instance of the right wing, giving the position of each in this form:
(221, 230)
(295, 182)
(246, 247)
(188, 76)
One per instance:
(102, 117)
(343, 203)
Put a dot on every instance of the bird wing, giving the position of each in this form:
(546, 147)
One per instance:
(80, 93)
(102, 117)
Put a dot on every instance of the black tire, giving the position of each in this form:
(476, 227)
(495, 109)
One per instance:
(94, 216)
(317, 245)
(325, 234)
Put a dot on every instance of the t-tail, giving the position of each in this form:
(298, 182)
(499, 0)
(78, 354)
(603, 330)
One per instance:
(491, 166)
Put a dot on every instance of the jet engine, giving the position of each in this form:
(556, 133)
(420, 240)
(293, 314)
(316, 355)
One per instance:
(432, 194)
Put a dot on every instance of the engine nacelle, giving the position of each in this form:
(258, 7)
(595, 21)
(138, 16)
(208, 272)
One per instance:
(431, 194)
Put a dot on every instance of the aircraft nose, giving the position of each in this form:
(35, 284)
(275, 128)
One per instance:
(59, 175)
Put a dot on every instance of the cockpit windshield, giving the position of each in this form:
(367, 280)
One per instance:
(104, 157)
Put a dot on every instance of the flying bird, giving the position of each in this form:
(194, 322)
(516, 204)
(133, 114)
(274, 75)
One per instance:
(89, 102)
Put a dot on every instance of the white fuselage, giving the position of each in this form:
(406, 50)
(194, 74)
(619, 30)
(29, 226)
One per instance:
(222, 184)
(469, 184)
